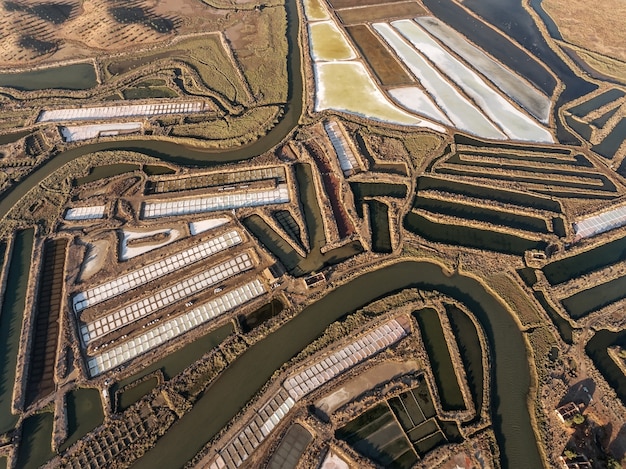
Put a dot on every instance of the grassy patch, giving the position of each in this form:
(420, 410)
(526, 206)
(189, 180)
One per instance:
(515, 297)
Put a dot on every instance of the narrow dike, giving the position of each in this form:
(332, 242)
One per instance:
(46, 331)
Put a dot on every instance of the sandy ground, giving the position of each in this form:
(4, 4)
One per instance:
(333, 461)
(597, 26)
(94, 259)
(367, 380)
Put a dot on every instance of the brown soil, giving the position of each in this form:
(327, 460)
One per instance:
(32, 36)
(595, 26)
(377, 13)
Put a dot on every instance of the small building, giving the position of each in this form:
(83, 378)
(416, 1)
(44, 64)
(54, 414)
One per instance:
(579, 461)
(567, 412)
(314, 280)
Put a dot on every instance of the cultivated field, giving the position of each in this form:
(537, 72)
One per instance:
(55, 31)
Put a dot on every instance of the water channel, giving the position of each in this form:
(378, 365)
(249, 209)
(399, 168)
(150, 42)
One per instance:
(238, 383)
(81, 76)
(11, 316)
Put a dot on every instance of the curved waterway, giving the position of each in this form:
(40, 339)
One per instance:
(239, 383)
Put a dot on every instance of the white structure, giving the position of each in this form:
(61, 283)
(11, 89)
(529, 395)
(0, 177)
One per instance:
(94, 212)
(298, 385)
(600, 223)
(324, 370)
(164, 298)
(200, 226)
(345, 155)
(75, 133)
(122, 111)
(171, 328)
(212, 203)
(139, 277)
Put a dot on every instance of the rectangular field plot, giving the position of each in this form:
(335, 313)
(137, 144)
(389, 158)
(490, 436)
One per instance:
(385, 66)
(150, 272)
(228, 201)
(114, 112)
(359, 3)
(378, 13)
(514, 86)
(477, 191)
(215, 179)
(377, 436)
(600, 223)
(586, 262)
(480, 212)
(587, 301)
(422, 431)
(414, 409)
(174, 327)
(598, 101)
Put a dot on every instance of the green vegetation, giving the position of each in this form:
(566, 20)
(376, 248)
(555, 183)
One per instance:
(577, 419)
(204, 55)
(145, 92)
(515, 297)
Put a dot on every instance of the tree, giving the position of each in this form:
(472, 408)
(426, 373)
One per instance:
(577, 419)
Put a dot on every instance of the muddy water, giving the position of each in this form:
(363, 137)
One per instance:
(471, 352)
(11, 317)
(35, 447)
(13, 137)
(237, 385)
(69, 77)
(440, 361)
(84, 413)
(596, 348)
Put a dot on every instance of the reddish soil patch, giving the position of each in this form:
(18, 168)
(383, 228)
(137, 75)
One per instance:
(388, 70)
(332, 186)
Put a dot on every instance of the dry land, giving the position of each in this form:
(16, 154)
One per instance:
(599, 37)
